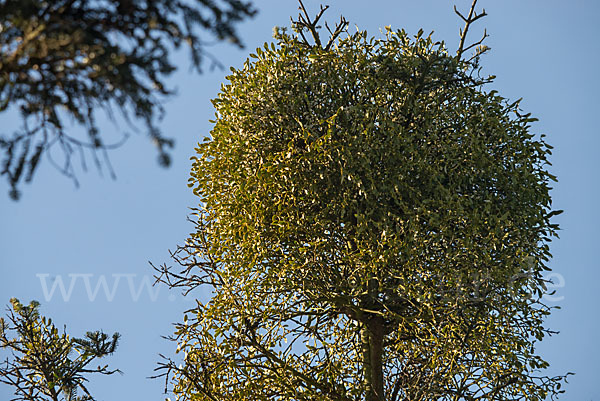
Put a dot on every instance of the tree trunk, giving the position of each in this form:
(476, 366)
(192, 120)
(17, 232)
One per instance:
(372, 339)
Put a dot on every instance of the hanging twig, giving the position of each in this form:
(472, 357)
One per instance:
(472, 17)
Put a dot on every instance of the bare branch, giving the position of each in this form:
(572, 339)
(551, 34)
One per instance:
(339, 28)
(304, 22)
(480, 41)
(472, 17)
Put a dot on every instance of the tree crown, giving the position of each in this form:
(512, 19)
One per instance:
(46, 364)
(374, 225)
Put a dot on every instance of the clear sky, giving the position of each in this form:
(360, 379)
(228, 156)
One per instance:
(545, 51)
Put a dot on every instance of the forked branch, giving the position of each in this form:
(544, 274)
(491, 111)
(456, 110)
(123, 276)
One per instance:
(305, 22)
(339, 28)
(472, 17)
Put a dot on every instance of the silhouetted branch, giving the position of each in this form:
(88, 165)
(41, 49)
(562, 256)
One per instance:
(472, 17)
(66, 60)
(305, 22)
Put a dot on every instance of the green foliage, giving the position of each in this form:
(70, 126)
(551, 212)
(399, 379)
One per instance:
(373, 224)
(47, 364)
(63, 60)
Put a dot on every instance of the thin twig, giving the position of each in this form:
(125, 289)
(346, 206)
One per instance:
(304, 21)
(480, 41)
(472, 17)
(339, 28)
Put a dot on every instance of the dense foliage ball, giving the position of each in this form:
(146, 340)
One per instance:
(382, 158)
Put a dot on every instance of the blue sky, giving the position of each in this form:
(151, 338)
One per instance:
(545, 51)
